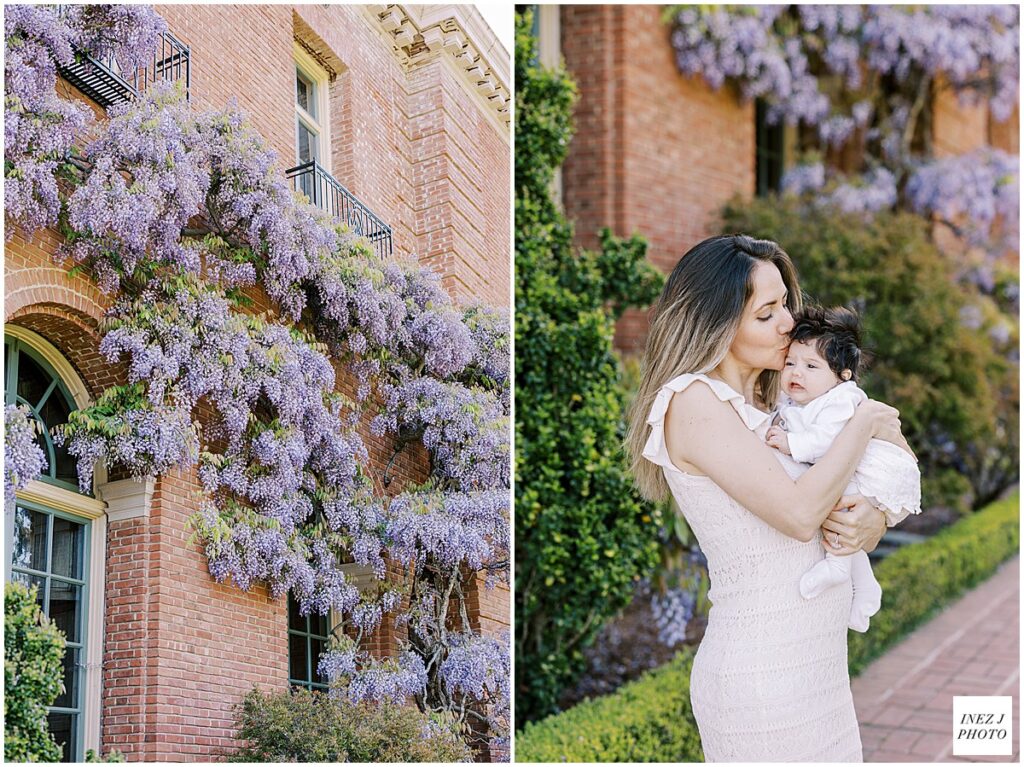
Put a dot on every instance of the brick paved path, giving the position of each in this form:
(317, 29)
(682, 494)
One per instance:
(904, 699)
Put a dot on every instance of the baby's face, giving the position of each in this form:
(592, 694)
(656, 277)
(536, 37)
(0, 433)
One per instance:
(806, 375)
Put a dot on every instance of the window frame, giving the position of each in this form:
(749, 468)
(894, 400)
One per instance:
(78, 710)
(309, 636)
(58, 499)
(318, 125)
(14, 347)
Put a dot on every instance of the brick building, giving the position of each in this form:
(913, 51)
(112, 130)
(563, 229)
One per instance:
(407, 107)
(659, 153)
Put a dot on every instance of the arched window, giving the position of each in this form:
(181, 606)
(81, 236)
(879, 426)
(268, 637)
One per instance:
(50, 537)
(31, 381)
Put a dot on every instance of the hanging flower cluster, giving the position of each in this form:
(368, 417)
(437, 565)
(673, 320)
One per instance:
(865, 73)
(24, 460)
(40, 127)
(175, 214)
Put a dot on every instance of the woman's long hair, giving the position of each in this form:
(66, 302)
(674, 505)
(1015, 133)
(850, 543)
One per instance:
(693, 324)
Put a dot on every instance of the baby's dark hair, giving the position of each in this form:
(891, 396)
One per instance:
(836, 332)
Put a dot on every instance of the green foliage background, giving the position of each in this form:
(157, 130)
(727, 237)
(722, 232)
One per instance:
(583, 536)
(304, 726)
(957, 393)
(33, 674)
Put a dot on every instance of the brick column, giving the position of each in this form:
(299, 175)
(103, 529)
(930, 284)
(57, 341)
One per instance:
(125, 670)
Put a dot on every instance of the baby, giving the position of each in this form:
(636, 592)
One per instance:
(820, 395)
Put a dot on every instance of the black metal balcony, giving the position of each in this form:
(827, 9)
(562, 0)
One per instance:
(327, 194)
(103, 81)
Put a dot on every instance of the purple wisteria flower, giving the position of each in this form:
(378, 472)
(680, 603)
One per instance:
(39, 126)
(357, 677)
(24, 460)
(791, 58)
(465, 430)
(672, 613)
(970, 191)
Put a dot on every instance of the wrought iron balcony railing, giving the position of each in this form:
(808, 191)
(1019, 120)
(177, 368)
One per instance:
(330, 196)
(103, 81)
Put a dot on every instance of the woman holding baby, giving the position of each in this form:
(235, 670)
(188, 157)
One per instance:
(770, 681)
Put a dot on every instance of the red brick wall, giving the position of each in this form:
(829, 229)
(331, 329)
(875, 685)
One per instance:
(181, 650)
(654, 152)
(411, 145)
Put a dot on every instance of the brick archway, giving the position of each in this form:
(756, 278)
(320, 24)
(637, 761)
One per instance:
(66, 311)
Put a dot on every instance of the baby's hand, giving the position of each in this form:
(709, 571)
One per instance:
(778, 439)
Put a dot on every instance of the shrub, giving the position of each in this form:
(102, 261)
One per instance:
(650, 720)
(584, 536)
(304, 726)
(958, 397)
(33, 673)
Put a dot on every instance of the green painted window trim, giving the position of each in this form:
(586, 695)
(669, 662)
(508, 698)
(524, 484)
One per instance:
(309, 636)
(78, 748)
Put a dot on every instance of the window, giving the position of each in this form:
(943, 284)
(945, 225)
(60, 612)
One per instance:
(49, 551)
(770, 152)
(307, 126)
(55, 539)
(307, 640)
(32, 382)
(312, 140)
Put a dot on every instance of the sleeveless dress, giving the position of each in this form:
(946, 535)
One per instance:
(769, 681)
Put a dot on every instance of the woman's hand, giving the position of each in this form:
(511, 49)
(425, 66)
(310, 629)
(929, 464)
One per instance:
(885, 421)
(854, 525)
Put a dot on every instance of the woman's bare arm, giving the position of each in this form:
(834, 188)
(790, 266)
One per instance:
(704, 432)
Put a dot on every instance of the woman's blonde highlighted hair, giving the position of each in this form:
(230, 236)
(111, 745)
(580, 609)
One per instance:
(693, 324)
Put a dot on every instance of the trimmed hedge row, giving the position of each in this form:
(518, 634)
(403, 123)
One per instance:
(650, 720)
(919, 580)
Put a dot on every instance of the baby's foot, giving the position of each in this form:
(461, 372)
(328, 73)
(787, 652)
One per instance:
(867, 596)
(827, 573)
(858, 621)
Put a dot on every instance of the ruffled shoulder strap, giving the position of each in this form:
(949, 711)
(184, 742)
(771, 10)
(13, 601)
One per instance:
(655, 449)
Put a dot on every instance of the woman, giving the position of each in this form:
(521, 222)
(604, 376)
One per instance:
(769, 682)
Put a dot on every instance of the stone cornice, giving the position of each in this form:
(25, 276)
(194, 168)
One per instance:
(458, 32)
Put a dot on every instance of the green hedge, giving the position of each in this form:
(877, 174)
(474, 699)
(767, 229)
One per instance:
(918, 580)
(305, 726)
(650, 720)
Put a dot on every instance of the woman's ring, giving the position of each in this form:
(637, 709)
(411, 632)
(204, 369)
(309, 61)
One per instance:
(835, 540)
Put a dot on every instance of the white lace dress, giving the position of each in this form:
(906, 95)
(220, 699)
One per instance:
(769, 681)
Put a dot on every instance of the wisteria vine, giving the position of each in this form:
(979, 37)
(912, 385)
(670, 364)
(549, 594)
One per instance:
(24, 460)
(865, 74)
(178, 216)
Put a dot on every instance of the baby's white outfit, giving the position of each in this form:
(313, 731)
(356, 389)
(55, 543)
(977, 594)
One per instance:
(887, 476)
